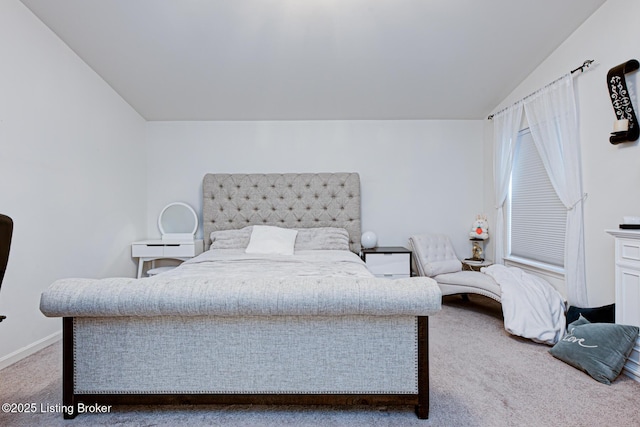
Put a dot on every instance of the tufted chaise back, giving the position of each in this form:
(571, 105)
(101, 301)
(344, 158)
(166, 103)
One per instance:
(292, 200)
(434, 254)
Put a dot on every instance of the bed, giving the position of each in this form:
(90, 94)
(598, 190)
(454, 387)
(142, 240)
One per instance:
(240, 326)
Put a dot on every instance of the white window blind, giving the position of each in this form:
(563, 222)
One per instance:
(537, 217)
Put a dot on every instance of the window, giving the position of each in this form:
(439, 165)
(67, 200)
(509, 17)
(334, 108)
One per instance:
(536, 217)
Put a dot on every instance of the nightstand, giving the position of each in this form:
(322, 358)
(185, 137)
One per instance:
(151, 250)
(392, 262)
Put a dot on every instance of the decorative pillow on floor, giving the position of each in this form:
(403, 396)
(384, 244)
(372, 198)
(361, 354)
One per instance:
(599, 349)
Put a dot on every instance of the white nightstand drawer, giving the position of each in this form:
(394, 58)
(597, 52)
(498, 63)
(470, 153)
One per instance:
(389, 264)
(179, 250)
(151, 250)
(147, 250)
(165, 249)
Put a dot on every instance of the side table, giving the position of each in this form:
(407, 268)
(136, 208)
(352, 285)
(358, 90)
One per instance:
(151, 250)
(470, 265)
(392, 262)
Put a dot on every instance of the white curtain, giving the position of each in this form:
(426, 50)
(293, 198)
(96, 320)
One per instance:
(553, 121)
(506, 125)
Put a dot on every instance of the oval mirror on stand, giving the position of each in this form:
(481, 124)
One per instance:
(178, 221)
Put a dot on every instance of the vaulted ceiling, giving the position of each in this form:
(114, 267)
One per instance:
(313, 59)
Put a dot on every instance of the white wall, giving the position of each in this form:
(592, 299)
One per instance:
(611, 174)
(416, 176)
(72, 175)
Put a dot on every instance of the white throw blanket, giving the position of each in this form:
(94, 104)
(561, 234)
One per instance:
(532, 308)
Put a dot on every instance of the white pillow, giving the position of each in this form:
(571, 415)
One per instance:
(266, 239)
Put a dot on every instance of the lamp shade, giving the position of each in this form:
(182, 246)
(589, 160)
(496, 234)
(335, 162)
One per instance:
(369, 240)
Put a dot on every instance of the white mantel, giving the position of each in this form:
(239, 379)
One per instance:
(627, 270)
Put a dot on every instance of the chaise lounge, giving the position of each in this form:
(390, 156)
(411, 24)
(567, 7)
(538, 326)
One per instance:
(435, 257)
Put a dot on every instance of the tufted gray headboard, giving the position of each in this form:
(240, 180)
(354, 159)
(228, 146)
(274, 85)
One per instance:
(291, 200)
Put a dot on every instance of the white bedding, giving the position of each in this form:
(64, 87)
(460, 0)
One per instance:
(532, 308)
(235, 263)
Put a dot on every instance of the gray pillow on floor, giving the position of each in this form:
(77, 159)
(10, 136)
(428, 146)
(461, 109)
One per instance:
(599, 349)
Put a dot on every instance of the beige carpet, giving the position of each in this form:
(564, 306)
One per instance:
(480, 376)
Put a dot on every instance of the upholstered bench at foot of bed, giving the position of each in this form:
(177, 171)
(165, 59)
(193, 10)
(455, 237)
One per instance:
(211, 296)
(330, 341)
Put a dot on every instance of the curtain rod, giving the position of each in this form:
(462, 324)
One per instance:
(585, 64)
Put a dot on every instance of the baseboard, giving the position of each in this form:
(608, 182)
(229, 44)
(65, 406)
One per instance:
(28, 350)
(634, 375)
(632, 367)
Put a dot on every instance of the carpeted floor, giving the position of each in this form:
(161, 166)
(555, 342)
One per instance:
(480, 376)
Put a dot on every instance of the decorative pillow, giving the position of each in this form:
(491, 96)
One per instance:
(266, 239)
(604, 314)
(231, 239)
(599, 349)
(322, 238)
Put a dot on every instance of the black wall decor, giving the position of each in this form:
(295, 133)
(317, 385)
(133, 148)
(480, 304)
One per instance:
(621, 102)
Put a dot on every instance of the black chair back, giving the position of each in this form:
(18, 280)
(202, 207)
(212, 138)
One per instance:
(6, 231)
